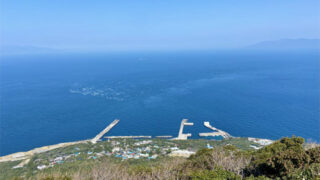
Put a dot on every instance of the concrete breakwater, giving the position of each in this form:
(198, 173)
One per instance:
(181, 135)
(108, 128)
(217, 133)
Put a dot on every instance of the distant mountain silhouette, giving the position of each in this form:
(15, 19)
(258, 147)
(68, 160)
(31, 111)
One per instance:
(284, 44)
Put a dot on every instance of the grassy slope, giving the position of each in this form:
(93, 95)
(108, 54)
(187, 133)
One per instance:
(82, 161)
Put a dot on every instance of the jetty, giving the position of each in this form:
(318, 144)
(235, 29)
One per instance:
(182, 136)
(217, 132)
(108, 128)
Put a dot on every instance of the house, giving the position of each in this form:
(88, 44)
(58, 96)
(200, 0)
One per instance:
(40, 167)
(144, 155)
(209, 146)
(181, 153)
(174, 148)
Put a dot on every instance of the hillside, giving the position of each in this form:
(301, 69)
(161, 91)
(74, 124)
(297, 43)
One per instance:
(235, 158)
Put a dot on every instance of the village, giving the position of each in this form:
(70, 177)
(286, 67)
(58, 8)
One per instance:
(119, 150)
(128, 148)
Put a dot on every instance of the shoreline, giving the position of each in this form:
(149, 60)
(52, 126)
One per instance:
(25, 156)
(28, 154)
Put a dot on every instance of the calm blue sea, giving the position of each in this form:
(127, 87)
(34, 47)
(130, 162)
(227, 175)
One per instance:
(53, 98)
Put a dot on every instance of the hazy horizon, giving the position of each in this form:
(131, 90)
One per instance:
(158, 25)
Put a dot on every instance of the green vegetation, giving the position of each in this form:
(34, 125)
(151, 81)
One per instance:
(283, 159)
(216, 173)
(233, 159)
(6, 170)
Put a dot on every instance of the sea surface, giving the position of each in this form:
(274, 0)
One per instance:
(53, 98)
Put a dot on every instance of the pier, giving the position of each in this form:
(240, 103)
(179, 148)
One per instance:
(182, 136)
(108, 128)
(217, 133)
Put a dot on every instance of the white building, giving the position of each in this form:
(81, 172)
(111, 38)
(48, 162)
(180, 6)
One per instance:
(40, 167)
(181, 153)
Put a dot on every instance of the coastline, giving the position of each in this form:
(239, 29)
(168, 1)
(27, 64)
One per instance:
(28, 154)
(25, 156)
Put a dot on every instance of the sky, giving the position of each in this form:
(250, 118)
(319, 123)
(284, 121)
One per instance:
(155, 24)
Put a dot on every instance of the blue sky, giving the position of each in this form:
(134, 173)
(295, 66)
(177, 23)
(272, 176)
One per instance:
(155, 24)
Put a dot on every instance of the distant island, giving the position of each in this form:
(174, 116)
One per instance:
(287, 44)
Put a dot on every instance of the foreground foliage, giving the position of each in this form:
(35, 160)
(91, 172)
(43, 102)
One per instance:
(284, 159)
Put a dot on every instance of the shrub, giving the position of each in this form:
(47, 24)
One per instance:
(217, 173)
(230, 148)
(280, 158)
(257, 178)
(17, 178)
(314, 155)
(311, 172)
(140, 170)
(229, 159)
(202, 160)
(56, 178)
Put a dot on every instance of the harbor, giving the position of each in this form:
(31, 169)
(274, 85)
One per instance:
(124, 148)
(181, 136)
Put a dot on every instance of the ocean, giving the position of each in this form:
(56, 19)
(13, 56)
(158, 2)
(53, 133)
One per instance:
(52, 98)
